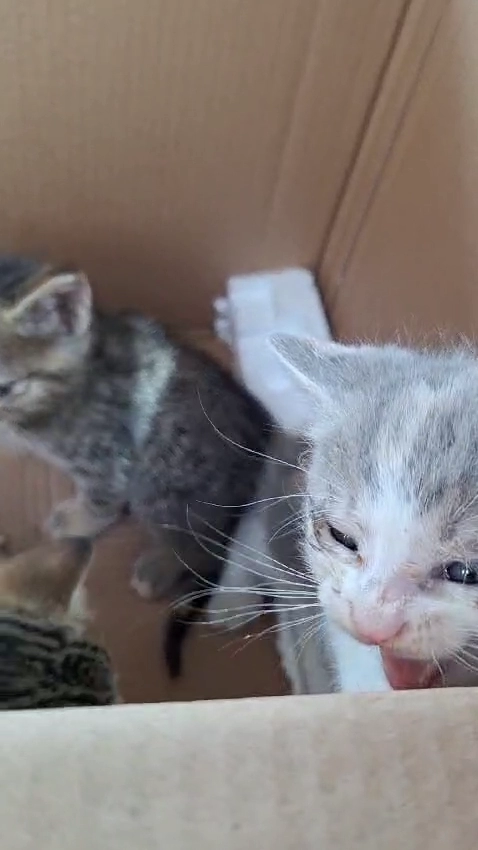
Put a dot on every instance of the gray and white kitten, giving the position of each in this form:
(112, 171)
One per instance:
(142, 424)
(386, 499)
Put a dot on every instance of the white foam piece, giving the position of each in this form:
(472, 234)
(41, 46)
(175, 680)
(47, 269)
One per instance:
(255, 307)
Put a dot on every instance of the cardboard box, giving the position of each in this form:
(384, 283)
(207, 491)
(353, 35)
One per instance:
(403, 259)
(362, 773)
(165, 145)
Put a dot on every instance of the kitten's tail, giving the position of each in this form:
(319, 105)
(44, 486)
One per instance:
(184, 616)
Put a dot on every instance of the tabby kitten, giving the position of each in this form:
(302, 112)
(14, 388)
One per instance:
(141, 423)
(44, 660)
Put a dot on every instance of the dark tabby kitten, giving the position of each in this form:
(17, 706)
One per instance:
(44, 660)
(143, 425)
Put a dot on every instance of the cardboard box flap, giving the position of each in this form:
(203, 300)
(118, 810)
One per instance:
(165, 145)
(313, 772)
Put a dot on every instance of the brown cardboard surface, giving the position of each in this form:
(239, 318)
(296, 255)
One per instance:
(359, 773)
(165, 144)
(403, 256)
(217, 665)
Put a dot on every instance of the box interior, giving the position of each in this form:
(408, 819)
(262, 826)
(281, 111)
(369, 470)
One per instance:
(164, 146)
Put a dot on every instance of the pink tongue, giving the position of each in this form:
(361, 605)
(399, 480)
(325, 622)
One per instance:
(405, 674)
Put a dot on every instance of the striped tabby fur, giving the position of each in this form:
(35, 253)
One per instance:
(43, 665)
(45, 661)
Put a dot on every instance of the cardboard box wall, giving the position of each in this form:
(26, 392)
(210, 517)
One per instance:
(169, 144)
(164, 145)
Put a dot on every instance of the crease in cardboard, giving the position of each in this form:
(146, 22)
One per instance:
(292, 120)
(349, 172)
(332, 99)
(415, 38)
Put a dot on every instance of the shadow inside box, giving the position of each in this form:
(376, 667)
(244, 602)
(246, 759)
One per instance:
(217, 664)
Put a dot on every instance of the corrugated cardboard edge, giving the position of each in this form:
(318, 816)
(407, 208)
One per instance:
(393, 771)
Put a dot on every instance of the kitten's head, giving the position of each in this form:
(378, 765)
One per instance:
(391, 518)
(46, 581)
(45, 330)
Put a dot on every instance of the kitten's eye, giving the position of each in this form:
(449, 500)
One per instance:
(461, 573)
(343, 539)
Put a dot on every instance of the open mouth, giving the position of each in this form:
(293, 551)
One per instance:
(408, 674)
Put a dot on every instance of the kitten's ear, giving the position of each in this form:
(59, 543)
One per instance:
(47, 576)
(314, 364)
(298, 354)
(59, 305)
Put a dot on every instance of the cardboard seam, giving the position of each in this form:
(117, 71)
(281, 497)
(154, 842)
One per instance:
(296, 99)
(375, 182)
(364, 129)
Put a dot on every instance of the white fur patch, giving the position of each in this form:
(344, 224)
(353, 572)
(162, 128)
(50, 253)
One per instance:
(151, 382)
(358, 668)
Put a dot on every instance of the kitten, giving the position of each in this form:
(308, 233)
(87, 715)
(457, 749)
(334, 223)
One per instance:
(44, 660)
(387, 529)
(142, 424)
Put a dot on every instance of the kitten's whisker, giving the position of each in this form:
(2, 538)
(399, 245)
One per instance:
(251, 591)
(292, 520)
(249, 569)
(201, 539)
(246, 620)
(281, 530)
(261, 592)
(469, 651)
(439, 667)
(270, 562)
(271, 608)
(274, 629)
(202, 580)
(245, 448)
(257, 501)
(461, 659)
(276, 566)
(309, 633)
(250, 614)
(224, 546)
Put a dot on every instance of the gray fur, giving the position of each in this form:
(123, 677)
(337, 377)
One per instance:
(394, 427)
(411, 411)
(140, 422)
(47, 665)
(391, 460)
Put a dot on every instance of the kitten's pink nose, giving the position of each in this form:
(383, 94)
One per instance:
(376, 633)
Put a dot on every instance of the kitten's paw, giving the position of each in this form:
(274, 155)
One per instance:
(151, 579)
(74, 518)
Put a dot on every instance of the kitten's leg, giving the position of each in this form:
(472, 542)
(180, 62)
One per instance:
(85, 515)
(157, 571)
(176, 556)
(358, 668)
